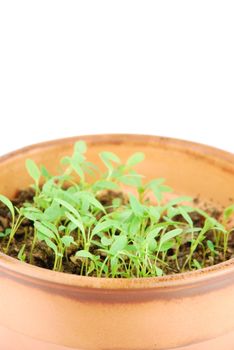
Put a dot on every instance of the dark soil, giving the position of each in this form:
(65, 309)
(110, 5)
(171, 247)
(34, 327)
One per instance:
(43, 256)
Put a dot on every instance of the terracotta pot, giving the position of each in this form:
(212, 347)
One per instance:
(42, 309)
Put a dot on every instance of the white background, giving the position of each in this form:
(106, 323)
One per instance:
(82, 67)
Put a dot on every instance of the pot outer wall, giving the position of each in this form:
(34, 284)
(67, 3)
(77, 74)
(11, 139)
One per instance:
(46, 310)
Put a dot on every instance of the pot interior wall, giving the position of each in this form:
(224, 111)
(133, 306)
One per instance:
(188, 168)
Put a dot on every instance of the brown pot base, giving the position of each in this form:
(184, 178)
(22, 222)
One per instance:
(21, 342)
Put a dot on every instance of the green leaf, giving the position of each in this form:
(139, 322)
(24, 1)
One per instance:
(134, 226)
(78, 169)
(84, 254)
(21, 255)
(169, 235)
(119, 244)
(53, 212)
(164, 188)
(105, 185)
(196, 264)
(33, 170)
(131, 180)
(159, 272)
(42, 237)
(172, 212)
(186, 216)
(181, 210)
(70, 227)
(80, 146)
(228, 212)
(116, 202)
(69, 207)
(114, 265)
(154, 213)
(51, 245)
(157, 188)
(178, 200)
(104, 226)
(44, 230)
(121, 216)
(211, 246)
(5, 233)
(136, 158)
(136, 206)
(9, 205)
(76, 221)
(90, 167)
(67, 241)
(45, 173)
(155, 183)
(32, 213)
(52, 227)
(153, 233)
(209, 224)
(108, 158)
(89, 197)
(106, 241)
(50, 188)
(65, 160)
(165, 246)
(152, 244)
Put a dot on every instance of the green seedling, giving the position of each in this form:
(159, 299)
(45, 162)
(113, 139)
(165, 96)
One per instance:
(21, 255)
(35, 174)
(15, 223)
(113, 237)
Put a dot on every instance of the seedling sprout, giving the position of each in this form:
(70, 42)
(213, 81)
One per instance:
(131, 233)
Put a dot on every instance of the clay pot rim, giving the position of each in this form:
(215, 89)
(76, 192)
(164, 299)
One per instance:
(23, 270)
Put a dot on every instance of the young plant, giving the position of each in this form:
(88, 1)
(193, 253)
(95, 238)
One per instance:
(15, 222)
(112, 223)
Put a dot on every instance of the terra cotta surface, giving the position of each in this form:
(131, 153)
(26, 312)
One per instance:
(47, 310)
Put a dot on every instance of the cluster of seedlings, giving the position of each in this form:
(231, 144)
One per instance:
(95, 228)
